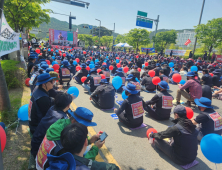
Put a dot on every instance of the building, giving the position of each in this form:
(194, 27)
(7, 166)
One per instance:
(183, 37)
(81, 43)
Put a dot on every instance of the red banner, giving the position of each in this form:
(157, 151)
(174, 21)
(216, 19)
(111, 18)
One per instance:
(219, 58)
(51, 36)
(187, 42)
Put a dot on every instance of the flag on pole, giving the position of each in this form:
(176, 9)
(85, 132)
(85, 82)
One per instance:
(77, 30)
(187, 42)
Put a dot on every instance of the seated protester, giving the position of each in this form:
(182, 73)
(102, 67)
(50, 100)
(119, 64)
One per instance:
(94, 79)
(176, 71)
(157, 69)
(209, 118)
(104, 95)
(40, 101)
(97, 65)
(147, 84)
(65, 72)
(135, 72)
(74, 141)
(55, 90)
(206, 78)
(161, 103)
(163, 77)
(184, 148)
(121, 74)
(144, 73)
(105, 71)
(31, 59)
(183, 73)
(195, 89)
(206, 91)
(134, 80)
(49, 70)
(131, 110)
(81, 73)
(56, 112)
(216, 78)
(72, 68)
(59, 60)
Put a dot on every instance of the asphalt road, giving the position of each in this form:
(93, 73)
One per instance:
(131, 149)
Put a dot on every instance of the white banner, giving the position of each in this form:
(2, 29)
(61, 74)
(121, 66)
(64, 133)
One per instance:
(175, 52)
(9, 39)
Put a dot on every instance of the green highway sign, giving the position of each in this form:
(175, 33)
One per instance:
(144, 14)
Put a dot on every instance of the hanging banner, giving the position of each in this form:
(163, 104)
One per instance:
(219, 58)
(9, 39)
(178, 52)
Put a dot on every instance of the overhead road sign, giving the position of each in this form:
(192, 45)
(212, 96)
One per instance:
(74, 2)
(144, 14)
(144, 23)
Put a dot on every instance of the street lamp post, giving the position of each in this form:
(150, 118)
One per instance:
(99, 30)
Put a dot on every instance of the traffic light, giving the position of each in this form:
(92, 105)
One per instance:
(85, 26)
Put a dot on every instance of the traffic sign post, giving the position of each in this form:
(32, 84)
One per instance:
(143, 14)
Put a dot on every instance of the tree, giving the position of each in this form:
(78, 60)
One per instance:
(96, 40)
(106, 40)
(25, 13)
(210, 34)
(162, 39)
(103, 31)
(88, 39)
(173, 46)
(137, 37)
(121, 38)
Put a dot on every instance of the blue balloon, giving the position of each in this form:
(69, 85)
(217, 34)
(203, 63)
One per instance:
(211, 147)
(57, 51)
(172, 69)
(53, 57)
(23, 113)
(54, 62)
(194, 68)
(182, 82)
(124, 96)
(117, 82)
(91, 66)
(74, 91)
(143, 65)
(2, 125)
(107, 57)
(117, 61)
(75, 62)
(91, 62)
(49, 49)
(171, 64)
(96, 60)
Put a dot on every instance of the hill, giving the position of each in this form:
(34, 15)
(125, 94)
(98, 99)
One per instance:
(62, 25)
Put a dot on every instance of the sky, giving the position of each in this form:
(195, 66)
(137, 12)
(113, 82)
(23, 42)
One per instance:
(174, 14)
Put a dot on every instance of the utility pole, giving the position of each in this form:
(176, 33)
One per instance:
(194, 48)
(70, 16)
(113, 37)
(156, 22)
(99, 30)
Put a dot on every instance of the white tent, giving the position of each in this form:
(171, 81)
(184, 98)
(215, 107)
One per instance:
(123, 45)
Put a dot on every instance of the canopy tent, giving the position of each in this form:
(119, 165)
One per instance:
(122, 45)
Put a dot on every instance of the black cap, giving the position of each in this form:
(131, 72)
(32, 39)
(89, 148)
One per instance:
(180, 110)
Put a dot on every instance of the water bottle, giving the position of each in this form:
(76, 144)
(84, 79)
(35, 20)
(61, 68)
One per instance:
(151, 139)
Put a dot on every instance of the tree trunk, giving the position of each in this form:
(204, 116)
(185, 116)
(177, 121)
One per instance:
(4, 96)
(208, 57)
(136, 47)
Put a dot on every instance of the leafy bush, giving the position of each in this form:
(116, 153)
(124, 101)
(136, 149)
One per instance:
(14, 75)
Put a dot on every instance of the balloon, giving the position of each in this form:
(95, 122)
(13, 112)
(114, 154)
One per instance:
(96, 60)
(189, 112)
(111, 67)
(143, 65)
(103, 76)
(194, 68)
(78, 68)
(139, 69)
(27, 82)
(92, 66)
(37, 51)
(60, 51)
(125, 69)
(99, 70)
(211, 74)
(52, 50)
(151, 73)
(177, 78)
(84, 52)
(103, 63)
(64, 55)
(40, 54)
(55, 66)
(77, 60)
(118, 65)
(117, 82)
(48, 62)
(49, 49)
(2, 125)
(124, 96)
(182, 82)
(117, 61)
(171, 64)
(211, 147)
(23, 112)
(149, 131)
(2, 138)
(91, 62)
(74, 91)
(54, 62)
(87, 68)
(146, 64)
(53, 57)
(156, 80)
(137, 56)
(83, 79)
(57, 71)
(117, 58)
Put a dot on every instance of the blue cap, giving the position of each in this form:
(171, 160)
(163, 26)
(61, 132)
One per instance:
(65, 62)
(180, 110)
(130, 76)
(164, 85)
(131, 88)
(97, 65)
(203, 102)
(44, 66)
(83, 116)
(44, 78)
(57, 162)
(104, 66)
(104, 81)
(49, 69)
(93, 70)
(157, 64)
(83, 65)
(190, 74)
(88, 62)
(119, 70)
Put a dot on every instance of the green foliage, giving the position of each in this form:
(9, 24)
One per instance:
(121, 38)
(25, 13)
(106, 40)
(13, 74)
(173, 46)
(88, 39)
(210, 34)
(162, 39)
(103, 31)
